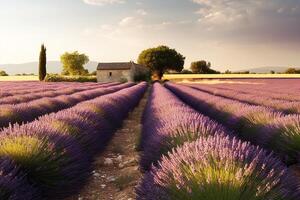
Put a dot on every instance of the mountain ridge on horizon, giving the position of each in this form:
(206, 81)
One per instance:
(32, 67)
(56, 67)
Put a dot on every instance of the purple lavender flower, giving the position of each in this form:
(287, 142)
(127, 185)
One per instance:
(170, 124)
(55, 152)
(258, 124)
(54, 164)
(13, 184)
(26, 112)
(218, 167)
(283, 136)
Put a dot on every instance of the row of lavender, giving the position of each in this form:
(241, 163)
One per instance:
(276, 89)
(255, 98)
(21, 88)
(63, 90)
(275, 86)
(260, 125)
(51, 157)
(188, 156)
(28, 111)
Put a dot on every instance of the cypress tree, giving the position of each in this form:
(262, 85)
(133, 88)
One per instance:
(42, 63)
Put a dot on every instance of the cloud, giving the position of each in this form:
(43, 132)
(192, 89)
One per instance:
(130, 21)
(103, 2)
(141, 12)
(233, 11)
(250, 19)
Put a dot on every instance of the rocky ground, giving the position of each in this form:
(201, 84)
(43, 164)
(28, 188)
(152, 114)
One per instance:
(116, 171)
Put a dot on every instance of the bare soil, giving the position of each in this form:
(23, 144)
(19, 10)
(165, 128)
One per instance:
(116, 171)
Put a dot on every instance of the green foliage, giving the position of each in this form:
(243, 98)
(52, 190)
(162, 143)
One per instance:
(65, 127)
(244, 72)
(25, 74)
(240, 72)
(123, 80)
(142, 77)
(202, 67)
(73, 63)
(3, 73)
(34, 156)
(60, 78)
(94, 73)
(42, 63)
(160, 59)
(292, 71)
(186, 71)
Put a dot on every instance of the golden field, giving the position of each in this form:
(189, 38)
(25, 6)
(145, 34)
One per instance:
(179, 77)
(190, 77)
(19, 78)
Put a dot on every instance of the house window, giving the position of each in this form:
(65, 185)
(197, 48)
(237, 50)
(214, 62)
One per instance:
(110, 74)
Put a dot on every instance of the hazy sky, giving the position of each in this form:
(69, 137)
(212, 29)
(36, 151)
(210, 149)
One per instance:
(232, 34)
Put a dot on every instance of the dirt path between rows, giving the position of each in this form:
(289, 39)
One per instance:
(116, 170)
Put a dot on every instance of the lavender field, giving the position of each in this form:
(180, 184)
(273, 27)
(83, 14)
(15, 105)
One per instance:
(222, 141)
(51, 133)
(198, 141)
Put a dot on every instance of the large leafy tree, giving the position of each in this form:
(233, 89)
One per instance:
(3, 73)
(161, 59)
(202, 67)
(292, 71)
(42, 63)
(73, 63)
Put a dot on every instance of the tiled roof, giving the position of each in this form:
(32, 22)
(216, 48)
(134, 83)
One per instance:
(115, 65)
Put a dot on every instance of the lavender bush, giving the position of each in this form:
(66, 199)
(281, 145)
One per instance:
(257, 124)
(26, 112)
(13, 184)
(54, 164)
(253, 97)
(283, 136)
(56, 151)
(169, 123)
(63, 90)
(218, 167)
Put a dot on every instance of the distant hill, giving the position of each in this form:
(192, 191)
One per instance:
(56, 67)
(266, 69)
(32, 67)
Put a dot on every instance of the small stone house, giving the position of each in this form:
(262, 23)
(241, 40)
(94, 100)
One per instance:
(120, 71)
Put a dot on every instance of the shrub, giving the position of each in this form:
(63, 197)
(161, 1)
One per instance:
(13, 185)
(51, 163)
(3, 73)
(142, 77)
(283, 136)
(60, 78)
(292, 71)
(123, 80)
(180, 128)
(219, 168)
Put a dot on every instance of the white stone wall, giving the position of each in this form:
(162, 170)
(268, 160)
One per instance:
(115, 76)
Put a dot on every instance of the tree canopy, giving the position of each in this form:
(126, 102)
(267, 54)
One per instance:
(3, 73)
(73, 63)
(202, 67)
(42, 63)
(161, 59)
(292, 71)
